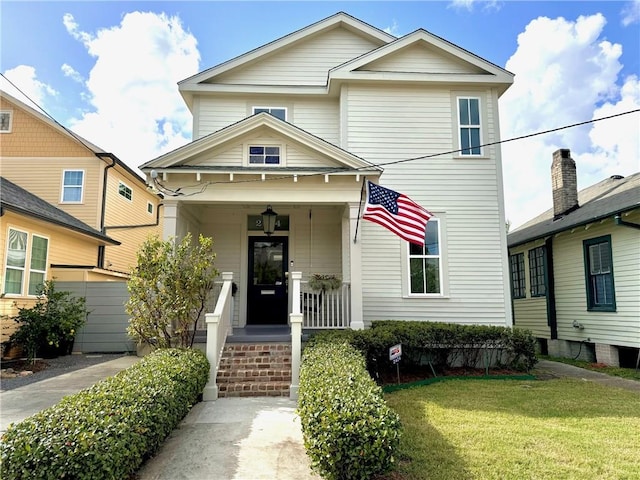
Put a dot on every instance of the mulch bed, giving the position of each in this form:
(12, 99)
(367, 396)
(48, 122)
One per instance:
(416, 374)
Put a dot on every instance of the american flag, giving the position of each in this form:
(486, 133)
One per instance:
(396, 212)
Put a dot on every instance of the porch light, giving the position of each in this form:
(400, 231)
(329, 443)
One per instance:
(269, 220)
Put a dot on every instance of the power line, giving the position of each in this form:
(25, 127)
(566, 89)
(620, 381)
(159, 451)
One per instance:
(203, 186)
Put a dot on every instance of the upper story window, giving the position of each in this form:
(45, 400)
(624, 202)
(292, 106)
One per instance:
(125, 191)
(6, 121)
(516, 269)
(469, 125)
(536, 272)
(598, 264)
(278, 112)
(264, 155)
(72, 186)
(425, 262)
(149, 207)
(20, 268)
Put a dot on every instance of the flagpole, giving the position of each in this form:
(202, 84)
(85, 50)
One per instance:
(355, 236)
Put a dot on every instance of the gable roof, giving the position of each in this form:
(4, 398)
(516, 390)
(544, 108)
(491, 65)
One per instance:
(486, 72)
(91, 148)
(611, 196)
(253, 123)
(334, 21)
(16, 199)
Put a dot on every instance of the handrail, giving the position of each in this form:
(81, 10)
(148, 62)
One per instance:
(326, 310)
(218, 327)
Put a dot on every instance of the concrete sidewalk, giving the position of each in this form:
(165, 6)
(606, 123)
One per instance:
(22, 402)
(557, 369)
(234, 439)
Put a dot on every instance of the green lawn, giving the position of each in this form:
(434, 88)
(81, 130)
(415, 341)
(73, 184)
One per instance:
(507, 429)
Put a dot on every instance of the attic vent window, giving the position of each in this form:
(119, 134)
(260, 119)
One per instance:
(278, 112)
(264, 155)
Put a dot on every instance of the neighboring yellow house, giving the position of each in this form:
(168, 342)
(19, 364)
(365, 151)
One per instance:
(39, 242)
(70, 173)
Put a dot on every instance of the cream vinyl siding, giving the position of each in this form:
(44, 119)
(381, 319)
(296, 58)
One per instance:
(421, 59)
(465, 189)
(42, 177)
(65, 247)
(319, 117)
(616, 328)
(305, 63)
(123, 212)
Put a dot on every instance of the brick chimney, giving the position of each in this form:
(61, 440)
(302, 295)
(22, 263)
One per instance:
(564, 183)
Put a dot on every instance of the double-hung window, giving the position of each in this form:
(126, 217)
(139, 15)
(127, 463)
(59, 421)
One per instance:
(536, 272)
(20, 268)
(516, 269)
(598, 262)
(278, 112)
(72, 186)
(469, 126)
(425, 262)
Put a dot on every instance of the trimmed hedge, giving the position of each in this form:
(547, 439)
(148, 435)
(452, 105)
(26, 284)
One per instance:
(349, 432)
(108, 430)
(442, 344)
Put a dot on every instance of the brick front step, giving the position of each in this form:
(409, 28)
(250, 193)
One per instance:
(255, 369)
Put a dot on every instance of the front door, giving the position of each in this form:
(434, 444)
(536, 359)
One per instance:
(267, 297)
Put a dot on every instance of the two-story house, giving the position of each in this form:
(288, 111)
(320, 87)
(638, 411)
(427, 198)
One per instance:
(296, 126)
(78, 185)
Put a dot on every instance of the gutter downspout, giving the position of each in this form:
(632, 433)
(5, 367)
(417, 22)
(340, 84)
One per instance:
(101, 249)
(552, 318)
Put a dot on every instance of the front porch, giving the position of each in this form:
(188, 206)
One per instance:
(308, 311)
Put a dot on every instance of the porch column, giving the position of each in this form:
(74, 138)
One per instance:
(355, 267)
(170, 219)
(295, 318)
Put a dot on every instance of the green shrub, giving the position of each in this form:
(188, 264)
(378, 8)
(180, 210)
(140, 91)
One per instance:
(49, 327)
(444, 345)
(108, 430)
(349, 432)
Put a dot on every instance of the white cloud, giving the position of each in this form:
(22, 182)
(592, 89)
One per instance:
(393, 29)
(24, 76)
(631, 13)
(565, 73)
(137, 112)
(72, 73)
(469, 4)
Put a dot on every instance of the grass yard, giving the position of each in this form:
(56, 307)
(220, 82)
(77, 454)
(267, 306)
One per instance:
(507, 429)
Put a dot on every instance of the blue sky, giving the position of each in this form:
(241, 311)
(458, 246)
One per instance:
(108, 70)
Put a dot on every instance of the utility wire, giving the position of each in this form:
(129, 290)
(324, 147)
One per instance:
(203, 186)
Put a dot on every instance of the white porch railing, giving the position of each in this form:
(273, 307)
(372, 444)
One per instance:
(218, 327)
(326, 310)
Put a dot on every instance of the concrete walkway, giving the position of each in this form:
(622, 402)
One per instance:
(557, 369)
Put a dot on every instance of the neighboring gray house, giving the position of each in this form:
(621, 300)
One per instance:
(575, 269)
(298, 124)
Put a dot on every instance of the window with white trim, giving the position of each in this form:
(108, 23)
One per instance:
(425, 263)
(264, 155)
(536, 272)
(125, 191)
(278, 112)
(469, 128)
(149, 208)
(16, 272)
(72, 186)
(516, 269)
(598, 262)
(6, 121)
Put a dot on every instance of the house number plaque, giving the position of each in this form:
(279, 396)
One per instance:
(255, 223)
